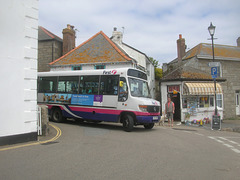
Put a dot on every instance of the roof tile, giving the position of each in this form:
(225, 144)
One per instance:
(97, 49)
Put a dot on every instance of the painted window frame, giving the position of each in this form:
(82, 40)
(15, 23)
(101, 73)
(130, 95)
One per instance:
(100, 66)
(77, 68)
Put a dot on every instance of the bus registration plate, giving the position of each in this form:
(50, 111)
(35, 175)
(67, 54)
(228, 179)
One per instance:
(155, 117)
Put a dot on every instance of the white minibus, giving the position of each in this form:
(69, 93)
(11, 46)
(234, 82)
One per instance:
(109, 95)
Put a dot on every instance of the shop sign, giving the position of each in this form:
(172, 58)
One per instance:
(174, 88)
(216, 122)
(214, 64)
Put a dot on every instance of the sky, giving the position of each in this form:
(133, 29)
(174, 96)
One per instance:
(151, 26)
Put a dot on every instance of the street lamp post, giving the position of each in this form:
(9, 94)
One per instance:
(211, 30)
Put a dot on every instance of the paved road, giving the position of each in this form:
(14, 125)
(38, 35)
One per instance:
(105, 151)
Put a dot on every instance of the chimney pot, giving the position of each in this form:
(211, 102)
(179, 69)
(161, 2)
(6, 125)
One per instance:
(117, 36)
(180, 36)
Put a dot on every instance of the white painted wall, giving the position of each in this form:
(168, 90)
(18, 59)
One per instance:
(18, 70)
(91, 67)
(139, 57)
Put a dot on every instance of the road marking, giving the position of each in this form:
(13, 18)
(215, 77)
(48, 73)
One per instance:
(219, 141)
(211, 137)
(187, 132)
(199, 134)
(223, 138)
(228, 145)
(233, 142)
(59, 133)
(236, 150)
(225, 144)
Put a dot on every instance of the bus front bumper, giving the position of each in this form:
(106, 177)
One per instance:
(147, 119)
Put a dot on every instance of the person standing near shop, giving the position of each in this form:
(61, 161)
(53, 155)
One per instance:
(169, 111)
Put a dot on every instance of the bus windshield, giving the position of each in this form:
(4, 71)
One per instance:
(139, 88)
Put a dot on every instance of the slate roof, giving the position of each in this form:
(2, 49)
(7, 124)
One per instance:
(44, 34)
(187, 73)
(221, 52)
(97, 49)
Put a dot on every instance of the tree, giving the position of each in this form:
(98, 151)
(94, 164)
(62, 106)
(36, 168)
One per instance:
(158, 71)
(154, 61)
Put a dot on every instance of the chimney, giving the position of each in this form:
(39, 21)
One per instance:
(181, 47)
(68, 39)
(117, 36)
(238, 42)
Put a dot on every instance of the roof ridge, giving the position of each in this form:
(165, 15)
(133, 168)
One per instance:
(49, 33)
(74, 49)
(114, 46)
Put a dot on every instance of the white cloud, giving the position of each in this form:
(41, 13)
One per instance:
(151, 26)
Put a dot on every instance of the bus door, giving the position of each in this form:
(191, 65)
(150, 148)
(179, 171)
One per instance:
(109, 90)
(123, 90)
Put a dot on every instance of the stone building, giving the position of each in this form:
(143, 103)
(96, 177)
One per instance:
(49, 48)
(52, 47)
(198, 58)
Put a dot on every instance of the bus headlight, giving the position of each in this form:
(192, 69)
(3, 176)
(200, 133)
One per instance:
(143, 108)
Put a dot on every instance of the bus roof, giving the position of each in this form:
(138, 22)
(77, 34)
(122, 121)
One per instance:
(113, 71)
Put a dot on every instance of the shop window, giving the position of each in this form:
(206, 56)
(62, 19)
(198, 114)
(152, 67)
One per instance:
(219, 100)
(203, 101)
(211, 100)
(184, 103)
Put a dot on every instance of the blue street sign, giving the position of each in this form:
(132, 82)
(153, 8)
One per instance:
(214, 72)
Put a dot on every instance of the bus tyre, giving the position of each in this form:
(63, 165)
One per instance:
(57, 115)
(127, 123)
(149, 125)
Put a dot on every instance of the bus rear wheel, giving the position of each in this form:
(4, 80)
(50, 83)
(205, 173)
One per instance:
(57, 115)
(149, 125)
(128, 123)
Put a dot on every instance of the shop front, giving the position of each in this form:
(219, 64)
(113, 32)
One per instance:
(198, 102)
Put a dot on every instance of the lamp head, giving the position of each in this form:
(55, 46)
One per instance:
(211, 29)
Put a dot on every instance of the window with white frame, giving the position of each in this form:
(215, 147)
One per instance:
(219, 100)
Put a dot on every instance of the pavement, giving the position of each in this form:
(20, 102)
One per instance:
(226, 125)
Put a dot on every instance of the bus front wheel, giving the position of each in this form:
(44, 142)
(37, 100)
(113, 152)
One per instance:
(149, 125)
(128, 123)
(57, 115)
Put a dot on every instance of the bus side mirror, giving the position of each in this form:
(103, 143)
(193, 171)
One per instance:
(121, 83)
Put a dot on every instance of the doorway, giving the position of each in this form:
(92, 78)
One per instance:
(237, 103)
(176, 100)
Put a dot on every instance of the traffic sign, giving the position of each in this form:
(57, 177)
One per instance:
(214, 72)
(214, 64)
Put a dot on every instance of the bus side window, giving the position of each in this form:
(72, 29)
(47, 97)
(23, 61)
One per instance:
(109, 84)
(68, 84)
(47, 84)
(89, 84)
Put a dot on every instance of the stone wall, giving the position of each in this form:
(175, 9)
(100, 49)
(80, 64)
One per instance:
(48, 51)
(230, 71)
(44, 120)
